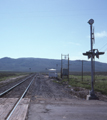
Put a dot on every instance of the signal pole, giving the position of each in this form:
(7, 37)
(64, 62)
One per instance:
(91, 54)
(91, 21)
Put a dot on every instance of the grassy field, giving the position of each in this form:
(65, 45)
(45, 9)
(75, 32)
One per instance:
(100, 83)
(7, 75)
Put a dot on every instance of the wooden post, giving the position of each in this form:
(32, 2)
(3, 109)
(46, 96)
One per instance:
(82, 70)
(61, 65)
(68, 67)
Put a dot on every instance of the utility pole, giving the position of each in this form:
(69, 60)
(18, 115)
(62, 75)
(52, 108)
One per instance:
(61, 66)
(82, 70)
(68, 68)
(91, 54)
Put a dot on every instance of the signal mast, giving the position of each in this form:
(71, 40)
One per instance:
(91, 54)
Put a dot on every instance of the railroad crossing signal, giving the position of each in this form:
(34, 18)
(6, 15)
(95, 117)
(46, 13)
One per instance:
(91, 54)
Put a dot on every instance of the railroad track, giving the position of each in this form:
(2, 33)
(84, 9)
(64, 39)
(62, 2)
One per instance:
(29, 81)
(11, 88)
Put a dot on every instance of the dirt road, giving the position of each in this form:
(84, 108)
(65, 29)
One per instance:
(52, 101)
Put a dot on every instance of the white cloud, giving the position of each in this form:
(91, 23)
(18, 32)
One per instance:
(101, 34)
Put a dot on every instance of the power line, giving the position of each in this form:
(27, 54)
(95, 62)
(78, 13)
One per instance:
(105, 50)
(103, 46)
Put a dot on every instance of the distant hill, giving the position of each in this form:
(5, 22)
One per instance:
(41, 65)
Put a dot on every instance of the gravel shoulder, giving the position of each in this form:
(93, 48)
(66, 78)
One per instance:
(46, 88)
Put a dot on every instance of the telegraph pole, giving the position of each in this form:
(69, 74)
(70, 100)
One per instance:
(82, 70)
(68, 67)
(61, 65)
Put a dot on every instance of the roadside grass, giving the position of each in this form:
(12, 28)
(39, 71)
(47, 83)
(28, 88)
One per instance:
(8, 75)
(100, 84)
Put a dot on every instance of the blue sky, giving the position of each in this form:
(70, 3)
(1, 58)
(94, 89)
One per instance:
(49, 28)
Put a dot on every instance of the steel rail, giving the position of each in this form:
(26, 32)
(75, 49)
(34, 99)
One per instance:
(1, 94)
(19, 100)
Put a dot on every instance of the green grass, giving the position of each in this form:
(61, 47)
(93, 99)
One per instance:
(100, 84)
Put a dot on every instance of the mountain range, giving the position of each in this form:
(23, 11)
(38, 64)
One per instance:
(42, 65)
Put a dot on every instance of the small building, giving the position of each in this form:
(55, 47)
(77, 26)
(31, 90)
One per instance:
(52, 73)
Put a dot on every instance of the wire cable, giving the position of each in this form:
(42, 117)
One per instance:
(103, 46)
(105, 50)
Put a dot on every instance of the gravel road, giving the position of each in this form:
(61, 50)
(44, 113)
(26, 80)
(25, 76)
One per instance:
(46, 88)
